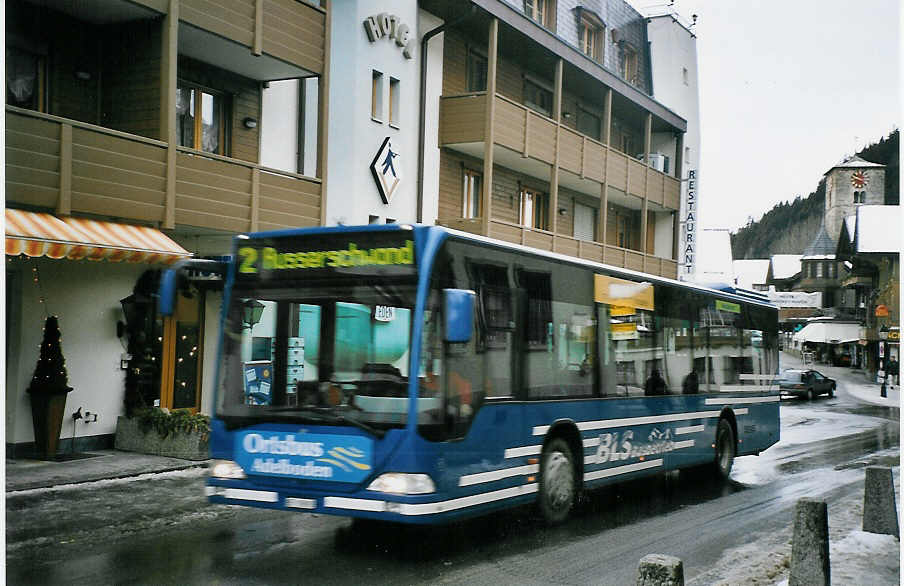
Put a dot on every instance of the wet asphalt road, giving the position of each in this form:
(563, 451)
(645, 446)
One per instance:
(164, 533)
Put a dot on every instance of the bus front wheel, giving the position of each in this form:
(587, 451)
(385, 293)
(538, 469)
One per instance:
(725, 449)
(557, 481)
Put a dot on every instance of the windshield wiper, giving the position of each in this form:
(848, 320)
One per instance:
(327, 414)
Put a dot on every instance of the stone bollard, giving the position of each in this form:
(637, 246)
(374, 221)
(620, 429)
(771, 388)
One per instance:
(657, 569)
(810, 545)
(879, 512)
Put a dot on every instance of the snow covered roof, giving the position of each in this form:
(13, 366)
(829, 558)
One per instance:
(829, 332)
(713, 256)
(785, 266)
(750, 272)
(854, 162)
(878, 229)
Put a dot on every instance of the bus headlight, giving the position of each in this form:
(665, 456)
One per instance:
(401, 483)
(226, 469)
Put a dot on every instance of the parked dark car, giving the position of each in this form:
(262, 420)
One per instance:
(806, 383)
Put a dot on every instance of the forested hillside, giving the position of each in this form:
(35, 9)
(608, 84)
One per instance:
(790, 226)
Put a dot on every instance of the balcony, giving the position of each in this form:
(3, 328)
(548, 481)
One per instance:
(545, 240)
(79, 168)
(525, 141)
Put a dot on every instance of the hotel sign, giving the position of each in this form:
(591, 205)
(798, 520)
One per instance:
(385, 171)
(390, 27)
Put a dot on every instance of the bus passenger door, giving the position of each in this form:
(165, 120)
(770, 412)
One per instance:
(480, 385)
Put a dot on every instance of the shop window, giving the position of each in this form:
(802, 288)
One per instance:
(180, 376)
(25, 79)
(534, 209)
(476, 72)
(470, 201)
(201, 119)
(537, 98)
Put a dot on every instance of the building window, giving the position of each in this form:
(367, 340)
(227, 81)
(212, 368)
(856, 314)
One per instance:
(590, 36)
(477, 72)
(538, 11)
(534, 209)
(470, 197)
(584, 222)
(589, 124)
(859, 197)
(819, 270)
(394, 101)
(201, 119)
(629, 63)
(537, 98)
(831, 271)
(376, 96)
(25, 78)
(623, 231)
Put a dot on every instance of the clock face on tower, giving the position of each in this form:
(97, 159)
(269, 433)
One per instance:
(859, 179)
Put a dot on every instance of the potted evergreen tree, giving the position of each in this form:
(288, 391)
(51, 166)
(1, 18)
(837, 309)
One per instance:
(48, 389)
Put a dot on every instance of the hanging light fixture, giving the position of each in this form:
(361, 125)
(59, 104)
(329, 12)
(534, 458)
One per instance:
(252, 310)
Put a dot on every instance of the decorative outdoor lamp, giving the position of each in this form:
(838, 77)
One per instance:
(252, 310)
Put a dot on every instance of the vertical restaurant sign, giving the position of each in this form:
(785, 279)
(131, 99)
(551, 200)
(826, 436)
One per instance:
(689, 247)
(391, 27)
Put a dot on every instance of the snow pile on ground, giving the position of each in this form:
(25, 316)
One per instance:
(855, 556)
(860, 554)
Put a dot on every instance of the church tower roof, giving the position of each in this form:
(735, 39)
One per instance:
(854, 162)
(822, 247)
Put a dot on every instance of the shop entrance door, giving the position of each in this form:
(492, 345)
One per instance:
(181, 365)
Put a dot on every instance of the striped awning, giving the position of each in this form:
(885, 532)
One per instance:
(39, 234)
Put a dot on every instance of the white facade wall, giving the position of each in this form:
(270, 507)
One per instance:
(673, 51)
(85, 296)
(279, 125)
(281, 119)
(355, 135)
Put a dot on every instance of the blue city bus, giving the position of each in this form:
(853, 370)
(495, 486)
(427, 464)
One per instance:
(418, 374)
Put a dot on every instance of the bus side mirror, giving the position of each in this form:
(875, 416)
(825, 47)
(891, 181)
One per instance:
(458, 309)
(176, 275)
(166, 302)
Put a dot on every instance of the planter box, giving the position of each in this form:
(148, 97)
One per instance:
(188, 446)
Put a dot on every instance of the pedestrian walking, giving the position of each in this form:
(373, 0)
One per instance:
(892, 372)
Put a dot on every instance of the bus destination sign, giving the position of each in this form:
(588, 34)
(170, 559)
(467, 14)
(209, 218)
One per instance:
(291, 257)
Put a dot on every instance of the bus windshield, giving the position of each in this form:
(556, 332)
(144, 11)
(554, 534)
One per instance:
(332, 351)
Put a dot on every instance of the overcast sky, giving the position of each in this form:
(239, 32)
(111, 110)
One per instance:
(787, 89)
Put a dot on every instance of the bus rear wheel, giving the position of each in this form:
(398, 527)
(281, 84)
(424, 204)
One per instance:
(725, 449)
(557, 481)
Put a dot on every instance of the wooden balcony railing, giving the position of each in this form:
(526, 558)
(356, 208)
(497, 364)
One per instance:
(545, 240)
(521, 129)
(291, 30)
(73, 167)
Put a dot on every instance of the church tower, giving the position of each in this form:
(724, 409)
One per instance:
(849, 184)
